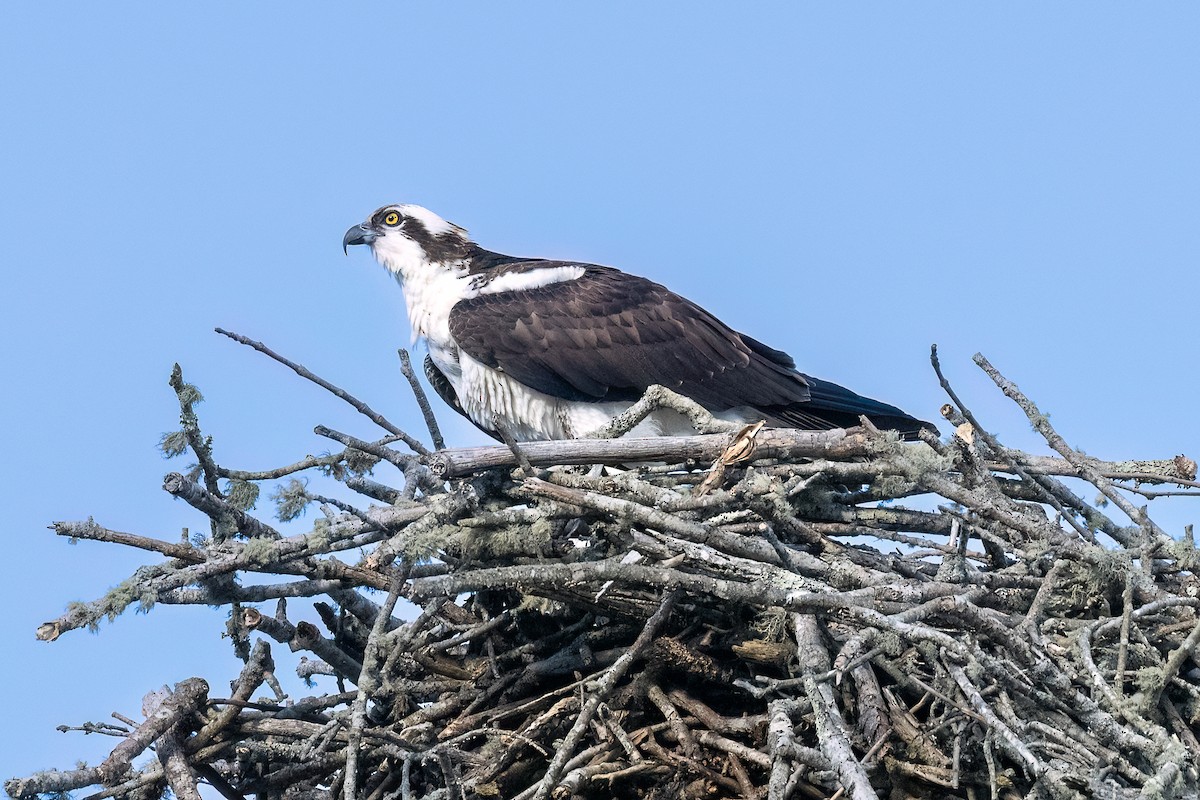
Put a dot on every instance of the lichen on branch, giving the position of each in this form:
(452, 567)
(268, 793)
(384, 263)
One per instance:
(832, 613)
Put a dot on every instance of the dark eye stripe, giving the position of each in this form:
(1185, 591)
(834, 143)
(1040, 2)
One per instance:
(390, 217)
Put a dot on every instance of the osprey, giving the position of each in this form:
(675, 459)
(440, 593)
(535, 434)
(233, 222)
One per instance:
(557, 348)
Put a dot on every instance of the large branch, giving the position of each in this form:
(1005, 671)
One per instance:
(770, 443)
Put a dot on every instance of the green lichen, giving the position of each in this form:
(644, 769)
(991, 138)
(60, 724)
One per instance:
(844, 575)
(339, 525)
(418, 543)
(319, 538)
(1184, 550)
(135, 588)
(892, 486)
(291, 499)
(917, 461)
(260, 551)
(544, 606)
(173, 444)
(241, 494)
(119, 598)
(189, 396)
(758, 482)
(1040, 420)
(890, 642)
(353, 462)
(516, 540)
(772, 624)
(1148, 680)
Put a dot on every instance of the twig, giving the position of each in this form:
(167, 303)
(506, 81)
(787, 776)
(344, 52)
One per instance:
(308, 462)
(175, 765)
(1041, 482)
(660, 397)
(188, 696)
(836, 745)
(603, 687)
(1008, 738)
(336, 391)
(368, 682)
(1088, 471)
(435, 433)
(510, 442)
(1171, 668)
(188, 396)
(90, 530)
(216, 507)
(251, 677)
(780, 740)
(830, 727)
(1123, 644)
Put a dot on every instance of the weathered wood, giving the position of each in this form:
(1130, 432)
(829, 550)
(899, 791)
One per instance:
(629, 635)
(702, 449)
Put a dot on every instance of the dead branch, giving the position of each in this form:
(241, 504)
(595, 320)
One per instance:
(660, 630)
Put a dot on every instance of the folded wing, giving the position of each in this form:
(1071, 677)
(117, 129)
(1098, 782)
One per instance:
(607, 336)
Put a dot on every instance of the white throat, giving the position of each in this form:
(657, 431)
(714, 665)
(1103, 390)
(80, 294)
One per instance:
(406, 259)
(430, 289)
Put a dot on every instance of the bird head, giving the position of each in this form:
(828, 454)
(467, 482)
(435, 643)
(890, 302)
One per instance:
(407, 238)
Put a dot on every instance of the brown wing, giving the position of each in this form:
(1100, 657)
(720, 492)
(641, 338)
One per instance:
(608, 336)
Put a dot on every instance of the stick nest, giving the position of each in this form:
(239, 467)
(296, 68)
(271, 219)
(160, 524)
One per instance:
(818, 615)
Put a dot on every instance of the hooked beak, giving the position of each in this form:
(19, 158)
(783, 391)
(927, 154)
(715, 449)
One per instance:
(358, 234)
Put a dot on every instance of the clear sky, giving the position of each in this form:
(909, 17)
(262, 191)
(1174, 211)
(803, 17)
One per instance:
(850, 182)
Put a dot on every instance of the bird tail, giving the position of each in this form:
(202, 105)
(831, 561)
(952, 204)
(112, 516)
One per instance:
(834, 406)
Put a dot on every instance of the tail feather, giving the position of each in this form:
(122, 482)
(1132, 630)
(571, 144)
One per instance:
(834, 406)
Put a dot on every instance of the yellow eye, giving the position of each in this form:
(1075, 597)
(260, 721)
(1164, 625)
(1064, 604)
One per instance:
(392, 218)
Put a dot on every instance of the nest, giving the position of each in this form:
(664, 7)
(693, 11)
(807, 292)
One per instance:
(738, 614)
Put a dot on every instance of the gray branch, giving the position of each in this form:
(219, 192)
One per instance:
(657, 628)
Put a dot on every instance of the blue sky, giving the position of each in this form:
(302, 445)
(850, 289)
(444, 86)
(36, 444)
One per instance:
(848, 182)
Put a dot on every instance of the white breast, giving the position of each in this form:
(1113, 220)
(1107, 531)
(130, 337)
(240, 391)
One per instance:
(531, 415)
(429, 297)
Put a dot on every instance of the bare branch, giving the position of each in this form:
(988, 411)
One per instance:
(640, 632)
(336, 391)
(435, 433)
